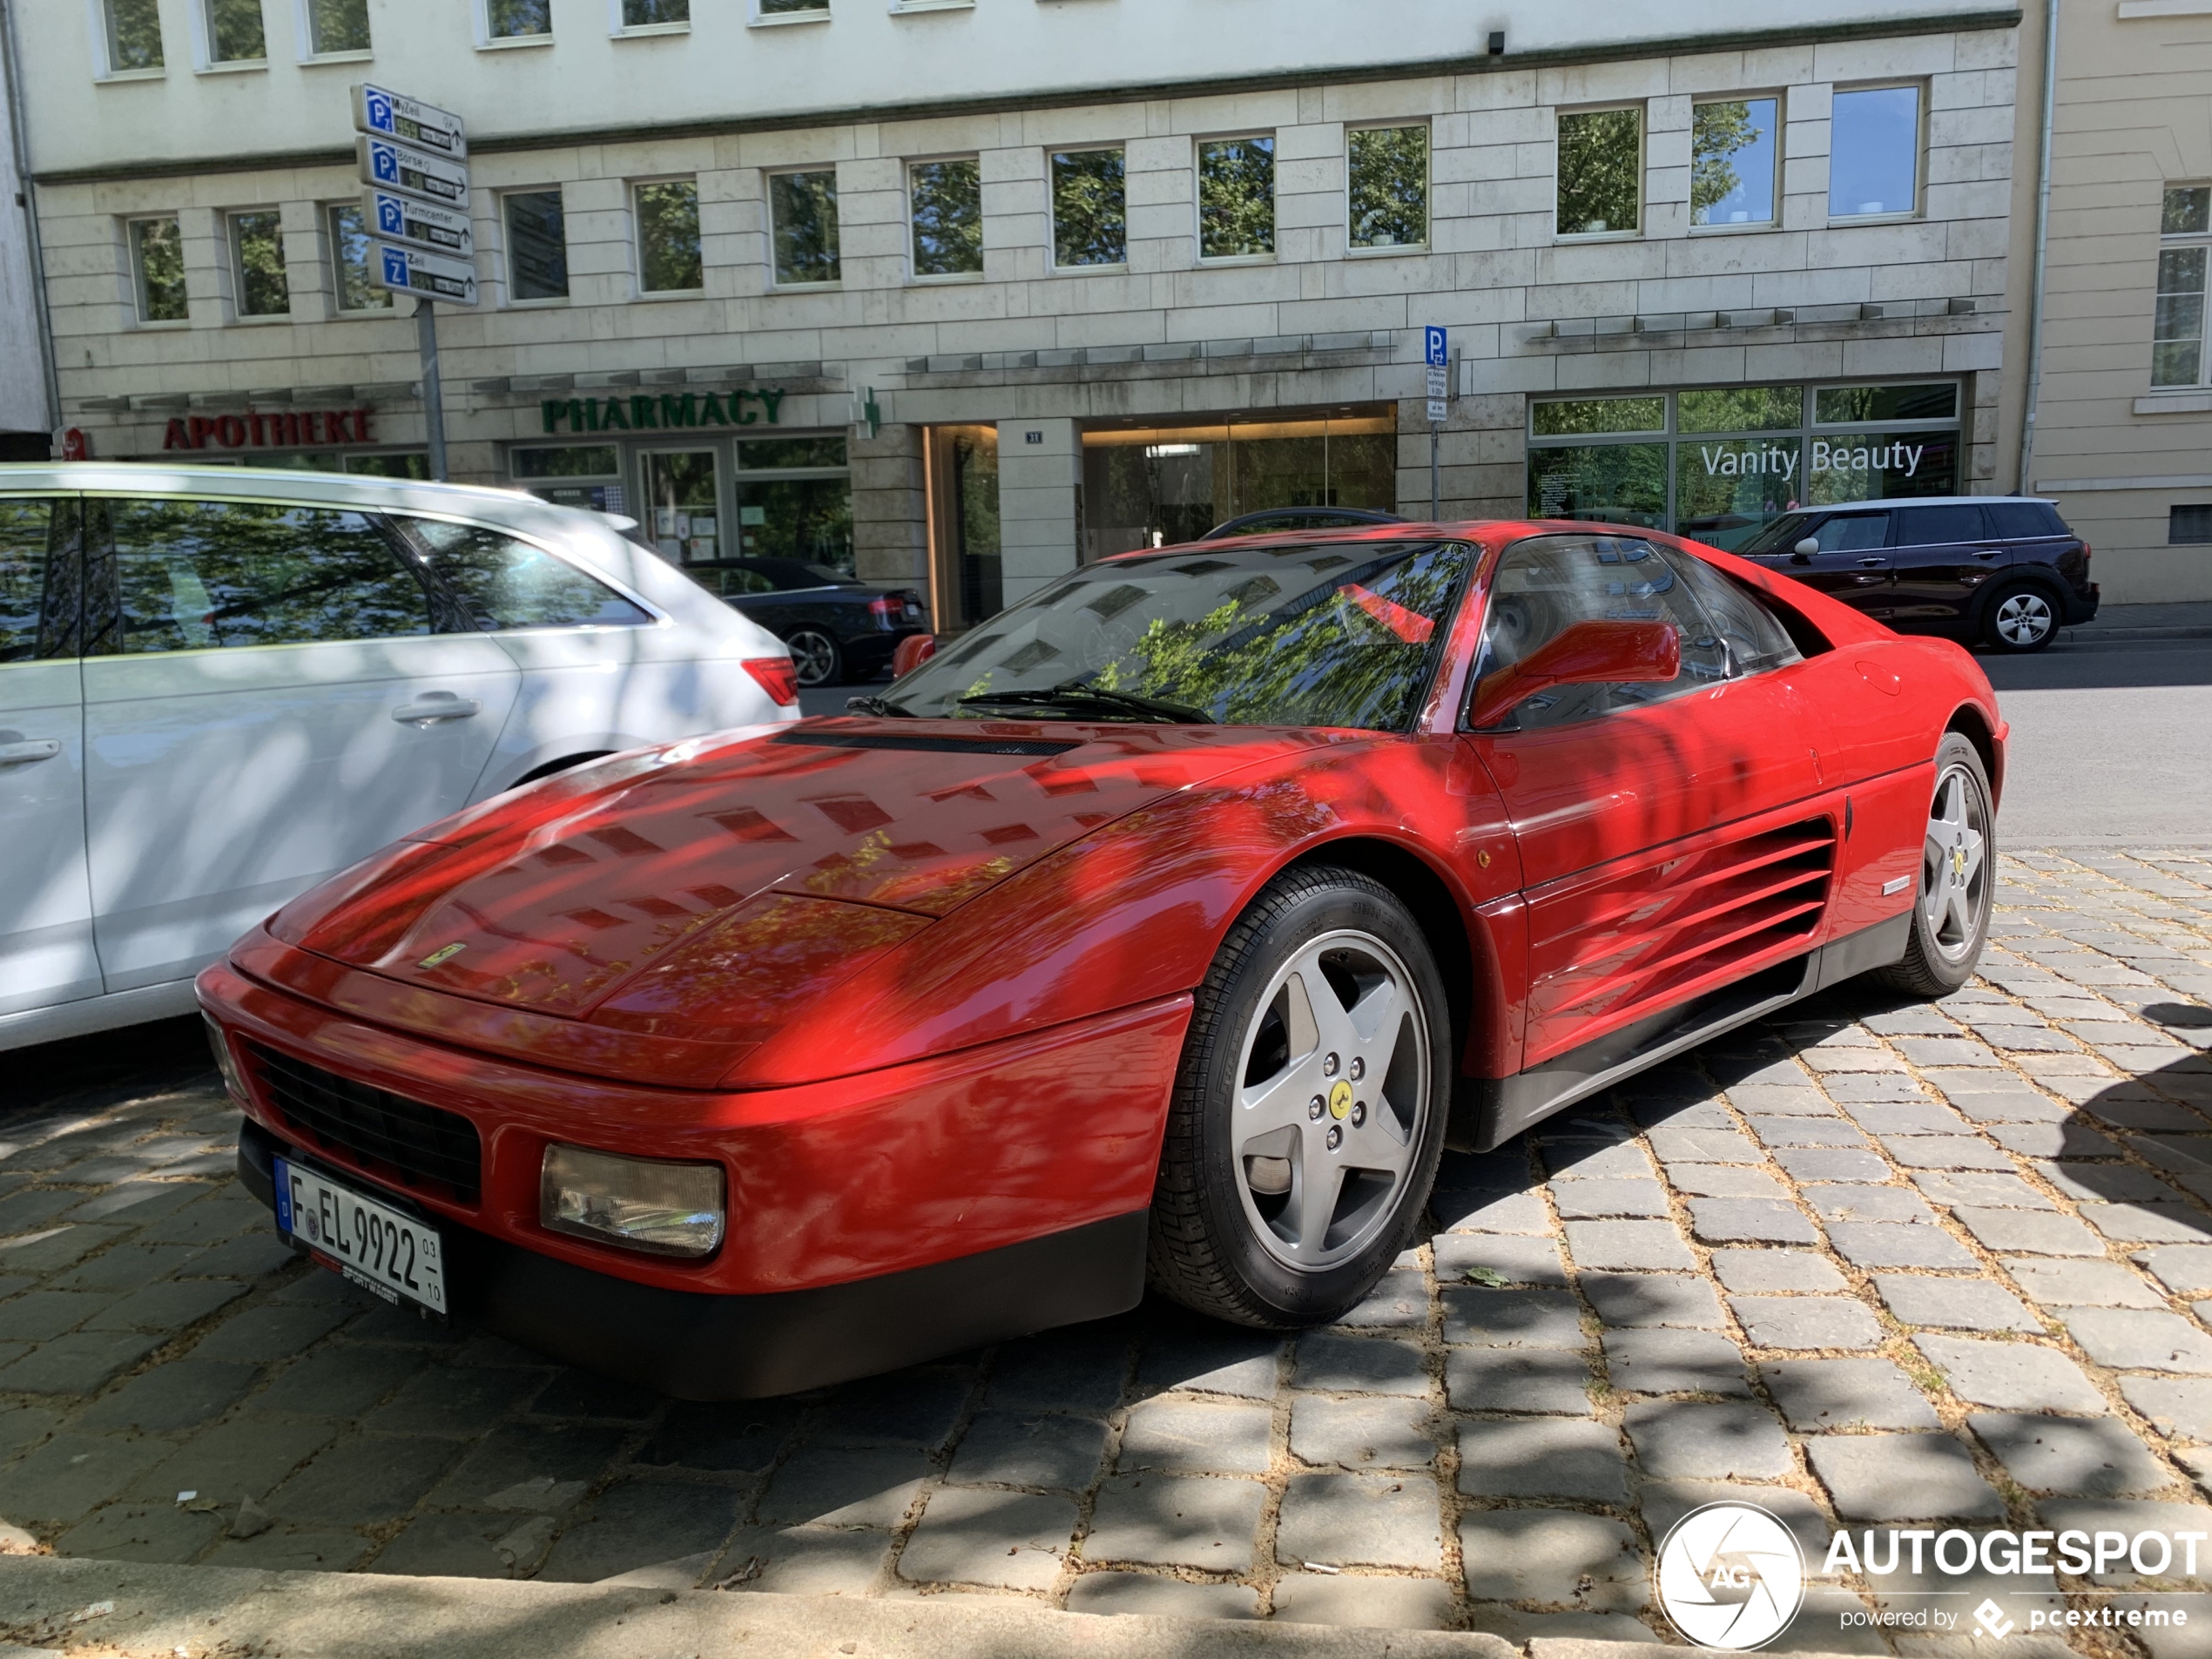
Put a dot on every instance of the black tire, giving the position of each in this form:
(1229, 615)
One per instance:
(817, 658)
(1952, 901)
(1269, 1259)
(2021, 616)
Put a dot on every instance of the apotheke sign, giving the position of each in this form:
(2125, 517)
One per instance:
(272, 429)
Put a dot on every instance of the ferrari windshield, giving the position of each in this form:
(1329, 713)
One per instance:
(1315, 633)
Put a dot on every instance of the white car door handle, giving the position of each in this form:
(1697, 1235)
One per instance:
(21, 754)
(429, 710)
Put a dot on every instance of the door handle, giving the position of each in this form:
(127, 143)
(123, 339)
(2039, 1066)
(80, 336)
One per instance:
(1989, 553)
(434, 706)
(21, 754)
(1869, 564)
(1869, 581)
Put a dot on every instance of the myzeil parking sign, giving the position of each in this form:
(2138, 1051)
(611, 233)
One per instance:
(400, 219)
(429, 276)
(410, 121)
(412, 171)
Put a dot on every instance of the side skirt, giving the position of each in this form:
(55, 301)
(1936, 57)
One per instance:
(1488, 1111)
(90, 1013)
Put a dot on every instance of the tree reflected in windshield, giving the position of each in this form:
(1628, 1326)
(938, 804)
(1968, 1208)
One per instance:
(1320, 634)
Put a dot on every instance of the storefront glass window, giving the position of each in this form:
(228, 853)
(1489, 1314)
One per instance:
(1237, 197)
(1388, 172)
(1720, 464)
(1874, 152)
(969, 584)
(685, 499)
(1089, 208)
(259, 284)
(802, 207)
(537, 246)
(234, 32)
(349, 262)
(946, 200)
(133, 35)
(157, 269)
(1149, 486)
(1731, 165)
(573, 476)
(669, 260)
(411, 463)
(338, 25)
(1601, 172)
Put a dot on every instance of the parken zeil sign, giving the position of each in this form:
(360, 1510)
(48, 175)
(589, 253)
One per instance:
(663, 412)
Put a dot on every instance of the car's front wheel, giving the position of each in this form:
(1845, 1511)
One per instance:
(2021, 618)
(816, 657)
(1308, 1114)
(1958, 881)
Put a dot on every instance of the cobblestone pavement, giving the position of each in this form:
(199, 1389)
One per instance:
(1869, 1263)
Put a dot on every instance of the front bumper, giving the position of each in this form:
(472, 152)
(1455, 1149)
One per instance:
(697, 1345)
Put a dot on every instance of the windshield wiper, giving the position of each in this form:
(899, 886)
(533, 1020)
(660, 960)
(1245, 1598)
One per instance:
(878, 705)
(1072, 694)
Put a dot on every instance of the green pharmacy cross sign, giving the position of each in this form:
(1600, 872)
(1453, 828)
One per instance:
(666, 413)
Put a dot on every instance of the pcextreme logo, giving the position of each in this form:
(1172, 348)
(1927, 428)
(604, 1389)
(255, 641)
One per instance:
(1730, 1576)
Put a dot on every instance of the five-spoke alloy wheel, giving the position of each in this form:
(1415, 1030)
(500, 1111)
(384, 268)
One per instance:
(2021, 619)
(815, 656)
(1309, 1114)
(1957, 877)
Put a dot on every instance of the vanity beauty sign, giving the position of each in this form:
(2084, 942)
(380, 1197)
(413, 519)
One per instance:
(1897, 458)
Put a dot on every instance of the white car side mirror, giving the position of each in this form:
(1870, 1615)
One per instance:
(1806, 549)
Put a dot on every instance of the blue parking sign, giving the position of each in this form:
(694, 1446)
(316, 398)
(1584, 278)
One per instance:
(1432, 342)
(384, 162)
(390, 220)
(395, 268)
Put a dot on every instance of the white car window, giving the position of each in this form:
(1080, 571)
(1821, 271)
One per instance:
(195, 575)
(37, 578)
(505, 584)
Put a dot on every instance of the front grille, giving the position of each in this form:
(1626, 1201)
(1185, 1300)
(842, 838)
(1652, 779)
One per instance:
(389, 1136)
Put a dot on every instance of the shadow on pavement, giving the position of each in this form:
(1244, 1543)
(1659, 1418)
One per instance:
(85, 1073)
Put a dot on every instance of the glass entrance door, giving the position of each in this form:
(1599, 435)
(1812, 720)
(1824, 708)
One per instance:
(684, 497)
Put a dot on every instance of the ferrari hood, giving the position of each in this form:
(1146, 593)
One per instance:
(660, 876)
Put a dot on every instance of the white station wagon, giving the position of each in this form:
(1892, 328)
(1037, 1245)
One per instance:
(219, 686)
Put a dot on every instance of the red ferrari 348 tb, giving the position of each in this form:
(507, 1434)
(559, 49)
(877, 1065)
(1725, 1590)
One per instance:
(1164, 928)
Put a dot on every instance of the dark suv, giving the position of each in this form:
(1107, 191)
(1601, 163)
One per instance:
(2002, 571)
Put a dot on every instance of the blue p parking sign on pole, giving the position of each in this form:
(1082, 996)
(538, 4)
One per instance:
(1436, 350)
(1432, 340)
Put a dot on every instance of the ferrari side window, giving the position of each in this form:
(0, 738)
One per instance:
(1546, 585)
(1755, 638)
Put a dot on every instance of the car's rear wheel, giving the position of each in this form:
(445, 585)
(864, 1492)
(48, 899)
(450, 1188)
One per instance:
(1958, 881)
(2021, 618)
(1308, 1113)
(816, 657)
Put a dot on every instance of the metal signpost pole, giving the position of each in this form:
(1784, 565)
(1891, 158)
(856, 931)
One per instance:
(434, 401)
(413, 158)
(1435, 349)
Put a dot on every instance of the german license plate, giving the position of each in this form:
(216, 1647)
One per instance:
(372, 1244)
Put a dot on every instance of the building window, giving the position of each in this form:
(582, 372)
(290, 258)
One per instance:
(2177, 333)
(132, 29)
(1732, 161)
(1387, 168)
(234, 34)
(790, 11)
(1721, 464)
(1236, 197)
(1874, 152)
(945, 201)
(350, 254)
(1089, 207)
(579, 476)
(654, 14)
(967, 582)
(668, 238)
(802, 210)
(537, 246)
(2189, 526)
(1601, 173)
(258, 283)
(157, 269)
(336, 26)
(518, 19)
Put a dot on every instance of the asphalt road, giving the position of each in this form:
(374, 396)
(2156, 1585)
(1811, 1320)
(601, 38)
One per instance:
(2109, 744)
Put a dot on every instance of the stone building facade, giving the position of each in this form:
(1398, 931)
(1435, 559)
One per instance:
(1689, 279)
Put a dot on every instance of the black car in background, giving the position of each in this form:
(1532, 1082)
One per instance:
(2002, 571)
(1273, 520)
(838, 628)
